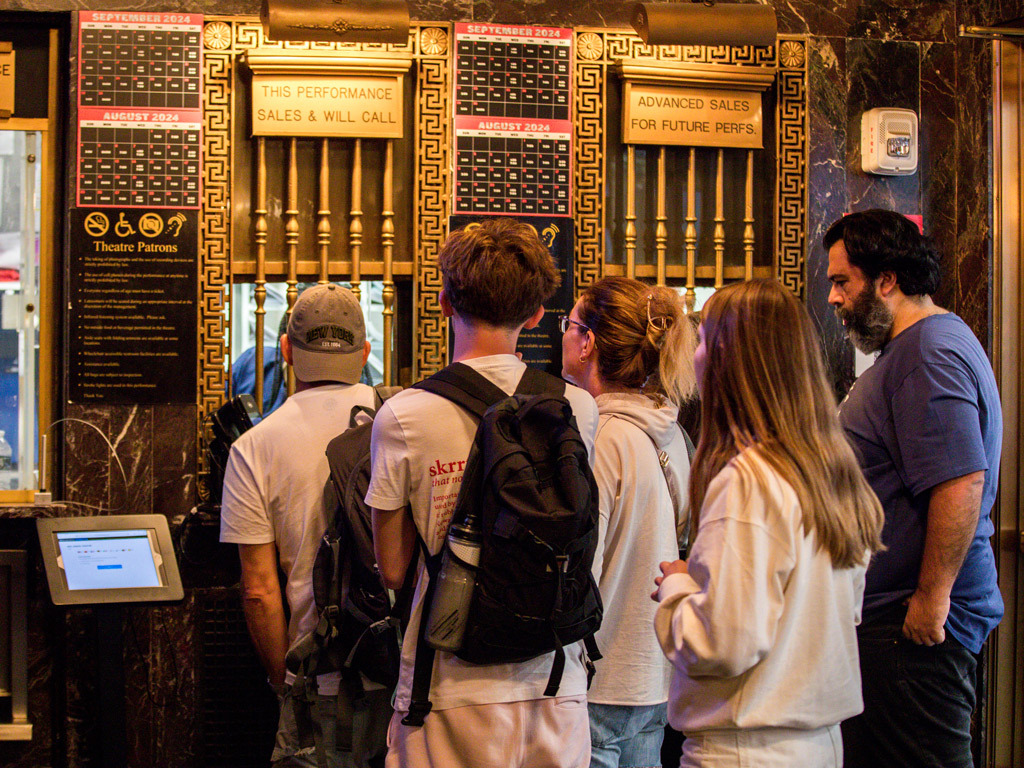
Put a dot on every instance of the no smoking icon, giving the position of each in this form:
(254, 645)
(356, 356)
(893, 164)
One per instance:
(97, 224)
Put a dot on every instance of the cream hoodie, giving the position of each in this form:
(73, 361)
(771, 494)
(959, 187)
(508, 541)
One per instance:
(637, 530)
(760, 632)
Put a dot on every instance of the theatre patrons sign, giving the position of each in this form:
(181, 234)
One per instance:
(132, 306)
(702, 117)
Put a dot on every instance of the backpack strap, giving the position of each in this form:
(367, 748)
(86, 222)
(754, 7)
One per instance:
(685, 532)
(423, 665)
(464, 386)
(382, 393)
(537, 382)
(690, 447)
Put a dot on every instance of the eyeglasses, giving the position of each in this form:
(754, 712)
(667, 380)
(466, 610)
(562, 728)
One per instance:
(563, 323)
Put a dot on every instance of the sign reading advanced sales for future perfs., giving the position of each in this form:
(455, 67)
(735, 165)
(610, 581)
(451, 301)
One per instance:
(132, 306)
(701, 117)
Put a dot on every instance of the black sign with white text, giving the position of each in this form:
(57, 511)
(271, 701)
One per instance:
(541, 347)
(133, 306)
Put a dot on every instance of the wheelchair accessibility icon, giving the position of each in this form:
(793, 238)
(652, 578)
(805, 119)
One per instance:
(123, 228)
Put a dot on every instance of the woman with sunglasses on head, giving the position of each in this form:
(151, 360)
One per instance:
(631, 346)
(759, 621)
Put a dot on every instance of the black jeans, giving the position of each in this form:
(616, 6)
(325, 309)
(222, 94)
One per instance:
(917, 700)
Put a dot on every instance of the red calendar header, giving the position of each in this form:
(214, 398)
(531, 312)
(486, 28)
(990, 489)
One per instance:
(474, 31)
(95, 18)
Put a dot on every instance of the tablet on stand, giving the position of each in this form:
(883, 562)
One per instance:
(107, 562)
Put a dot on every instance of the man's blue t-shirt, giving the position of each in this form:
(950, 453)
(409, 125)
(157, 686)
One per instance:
(928, 411)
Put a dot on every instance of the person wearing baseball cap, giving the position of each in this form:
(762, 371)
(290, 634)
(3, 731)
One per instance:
(326, 338)
(273, 508)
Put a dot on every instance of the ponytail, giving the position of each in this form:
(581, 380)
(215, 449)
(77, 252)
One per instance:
(644, 339)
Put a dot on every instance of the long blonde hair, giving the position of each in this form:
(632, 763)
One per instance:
(642, 335)
(764, 388)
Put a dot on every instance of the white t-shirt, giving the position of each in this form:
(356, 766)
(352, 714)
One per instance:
(274, 487)
(419, 449)
(637, 531)
(761, 631)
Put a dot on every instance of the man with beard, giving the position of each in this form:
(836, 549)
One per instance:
(925, 421)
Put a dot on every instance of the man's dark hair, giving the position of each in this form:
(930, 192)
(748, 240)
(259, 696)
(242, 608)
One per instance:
(878, 241)
(497, 271)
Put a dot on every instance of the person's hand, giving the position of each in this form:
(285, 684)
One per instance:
(667, 568)
(926, 617)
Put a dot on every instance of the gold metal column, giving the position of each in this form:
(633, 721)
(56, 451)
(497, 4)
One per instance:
(355, 226)
(323, 227)
(387, 239)
(291, 241)
(631, 211)
(690, 235)
(718, 237)
(661, 231)
(748, 220)
(260, 238)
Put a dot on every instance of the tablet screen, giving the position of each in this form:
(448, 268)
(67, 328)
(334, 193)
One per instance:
(109, 559)
(119, 559)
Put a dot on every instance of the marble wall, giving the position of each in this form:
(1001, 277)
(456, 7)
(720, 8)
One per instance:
(863, 54)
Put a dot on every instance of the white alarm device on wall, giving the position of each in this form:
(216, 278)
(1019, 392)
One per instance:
(888, 141)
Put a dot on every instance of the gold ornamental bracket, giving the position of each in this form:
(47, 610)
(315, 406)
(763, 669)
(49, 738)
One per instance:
(688, 104)
(327, 93)
(333, 21)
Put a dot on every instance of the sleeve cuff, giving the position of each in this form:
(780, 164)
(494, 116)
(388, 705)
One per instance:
(378, 501)
(676, 585)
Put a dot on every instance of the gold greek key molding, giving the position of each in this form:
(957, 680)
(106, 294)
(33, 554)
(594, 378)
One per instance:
(791, 151)
(433, 199)
(214, 225)
(588, 94)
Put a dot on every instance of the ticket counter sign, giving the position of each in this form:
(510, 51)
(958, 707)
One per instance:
(701, 117)
(341, 106)
(6, 79)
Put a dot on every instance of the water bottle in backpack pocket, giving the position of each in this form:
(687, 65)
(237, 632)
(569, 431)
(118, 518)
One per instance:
(453, 592)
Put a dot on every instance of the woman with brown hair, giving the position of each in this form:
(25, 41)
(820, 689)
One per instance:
(630, 345)
(759, 621)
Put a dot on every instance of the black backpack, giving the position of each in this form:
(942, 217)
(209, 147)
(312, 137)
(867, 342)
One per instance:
(529, 477)
(358, 629)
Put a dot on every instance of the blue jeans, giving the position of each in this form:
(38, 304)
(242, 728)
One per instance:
(626, 737)
(918, 700)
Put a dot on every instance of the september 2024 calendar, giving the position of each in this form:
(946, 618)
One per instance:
(513, 120)
(139, 109)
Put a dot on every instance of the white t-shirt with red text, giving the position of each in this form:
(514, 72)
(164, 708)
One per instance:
(418, 454)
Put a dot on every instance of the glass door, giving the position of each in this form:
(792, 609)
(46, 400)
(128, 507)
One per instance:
(20, 221)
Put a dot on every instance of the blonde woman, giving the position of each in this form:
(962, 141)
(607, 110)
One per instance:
(630, 345)
(759, 621)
